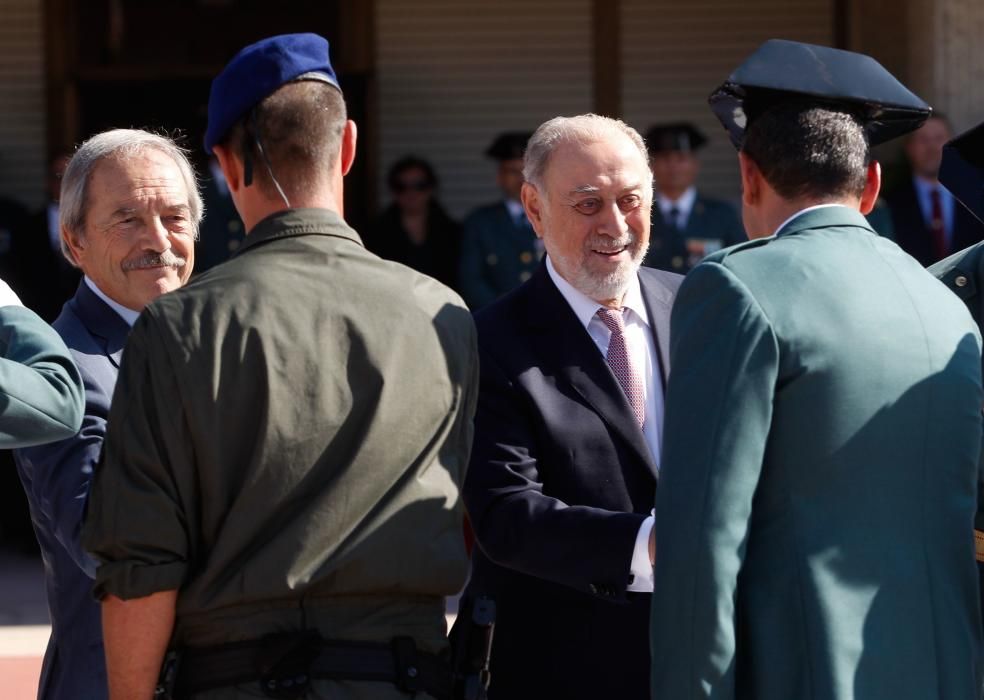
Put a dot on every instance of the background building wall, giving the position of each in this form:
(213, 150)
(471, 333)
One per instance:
(453, 73)
(22, 103)
(675, 53)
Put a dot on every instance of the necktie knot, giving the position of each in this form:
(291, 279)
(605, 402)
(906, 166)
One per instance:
(613, 319)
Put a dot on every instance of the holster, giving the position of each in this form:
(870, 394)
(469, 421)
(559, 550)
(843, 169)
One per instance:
(471, 649)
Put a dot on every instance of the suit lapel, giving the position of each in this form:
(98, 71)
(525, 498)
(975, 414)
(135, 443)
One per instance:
(102, 322)
(563, 345)
(659, 302)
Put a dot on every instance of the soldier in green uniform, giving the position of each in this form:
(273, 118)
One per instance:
(818, 487)
(499, 250)
(278, 503)
(41, 392)
(686, 225)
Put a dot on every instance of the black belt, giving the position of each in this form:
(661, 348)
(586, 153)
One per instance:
(284, 665)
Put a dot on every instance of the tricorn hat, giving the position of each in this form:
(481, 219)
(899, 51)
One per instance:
(780, 71)
(678, 136)
(508, 145)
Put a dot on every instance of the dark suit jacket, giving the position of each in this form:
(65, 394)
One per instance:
(712, 219)
(56, 478)
(559, 483)
(911, 232)
(496, 255)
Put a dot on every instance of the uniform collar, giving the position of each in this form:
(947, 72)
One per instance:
(298, 222)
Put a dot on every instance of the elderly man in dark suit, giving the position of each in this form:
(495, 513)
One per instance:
(129, 216)
(567, 432)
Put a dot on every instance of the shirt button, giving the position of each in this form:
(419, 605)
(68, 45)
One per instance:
(960, 281)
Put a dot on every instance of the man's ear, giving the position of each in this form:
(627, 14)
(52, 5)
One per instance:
(533, 204)
(73, 243)
(751, 180)
(349, 138)
(872, 186)
(231, 165)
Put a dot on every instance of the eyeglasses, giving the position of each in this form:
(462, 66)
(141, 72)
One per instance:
(411, 186)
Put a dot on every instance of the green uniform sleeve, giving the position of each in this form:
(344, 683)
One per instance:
(724, 359)
(41, 393)
(144, 491)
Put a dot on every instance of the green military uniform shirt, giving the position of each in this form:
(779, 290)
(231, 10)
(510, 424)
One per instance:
(286, 443)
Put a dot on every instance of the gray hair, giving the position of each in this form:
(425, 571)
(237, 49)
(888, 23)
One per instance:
(122, 144)
(584, 128)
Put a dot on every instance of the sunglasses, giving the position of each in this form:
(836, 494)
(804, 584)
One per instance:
(411, 186)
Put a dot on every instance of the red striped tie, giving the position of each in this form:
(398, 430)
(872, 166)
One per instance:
(621, 365)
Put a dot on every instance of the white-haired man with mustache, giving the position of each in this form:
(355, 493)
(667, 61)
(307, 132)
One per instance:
(565, 460)
(129, 217)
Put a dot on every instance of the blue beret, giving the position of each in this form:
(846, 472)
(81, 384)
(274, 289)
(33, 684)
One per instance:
(257, 71)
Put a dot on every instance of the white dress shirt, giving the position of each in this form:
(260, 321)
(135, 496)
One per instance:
(803, 211)
(641, 346)
(128, 315)
(684, 205)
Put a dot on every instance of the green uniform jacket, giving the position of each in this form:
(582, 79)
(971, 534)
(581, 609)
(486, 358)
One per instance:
(497, 255)
(286, 444)
(711, 220)
(817, 493)
(41, 392)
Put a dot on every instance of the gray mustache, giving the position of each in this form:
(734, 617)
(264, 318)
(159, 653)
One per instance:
(165, 259)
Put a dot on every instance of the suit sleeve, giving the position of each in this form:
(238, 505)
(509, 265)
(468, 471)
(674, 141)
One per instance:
(144, 497)
(520, 527)
(60, 474)
(725, 361)
(475, 289)
(41, 393)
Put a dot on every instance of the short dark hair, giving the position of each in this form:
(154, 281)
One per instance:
(410, 163)
(804, 149)
(300, 126)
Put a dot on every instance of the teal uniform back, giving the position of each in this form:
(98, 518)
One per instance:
(818, 485)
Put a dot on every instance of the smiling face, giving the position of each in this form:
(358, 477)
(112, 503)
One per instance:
(138, 238)
(593, 214)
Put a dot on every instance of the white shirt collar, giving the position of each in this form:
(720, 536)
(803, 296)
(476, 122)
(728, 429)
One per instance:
(128, 315)
(803, 211)
(684, 204)
(585, 307)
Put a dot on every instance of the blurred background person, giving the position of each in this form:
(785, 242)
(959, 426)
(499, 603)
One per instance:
(499, 250)
(686, 225)
(415, 229)
(222, 230)
(927, 223)
(43, 277)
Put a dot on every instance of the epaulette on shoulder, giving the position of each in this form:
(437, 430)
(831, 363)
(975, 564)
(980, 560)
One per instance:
(739, 247)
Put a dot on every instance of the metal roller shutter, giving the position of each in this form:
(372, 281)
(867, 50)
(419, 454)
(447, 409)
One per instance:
(674, 53)
(22, 105)
(453, 73)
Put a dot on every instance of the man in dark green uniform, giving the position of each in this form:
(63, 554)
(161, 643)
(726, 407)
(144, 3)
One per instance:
(814, 515)
(686, 225)
(288, 433)
(499, 250)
